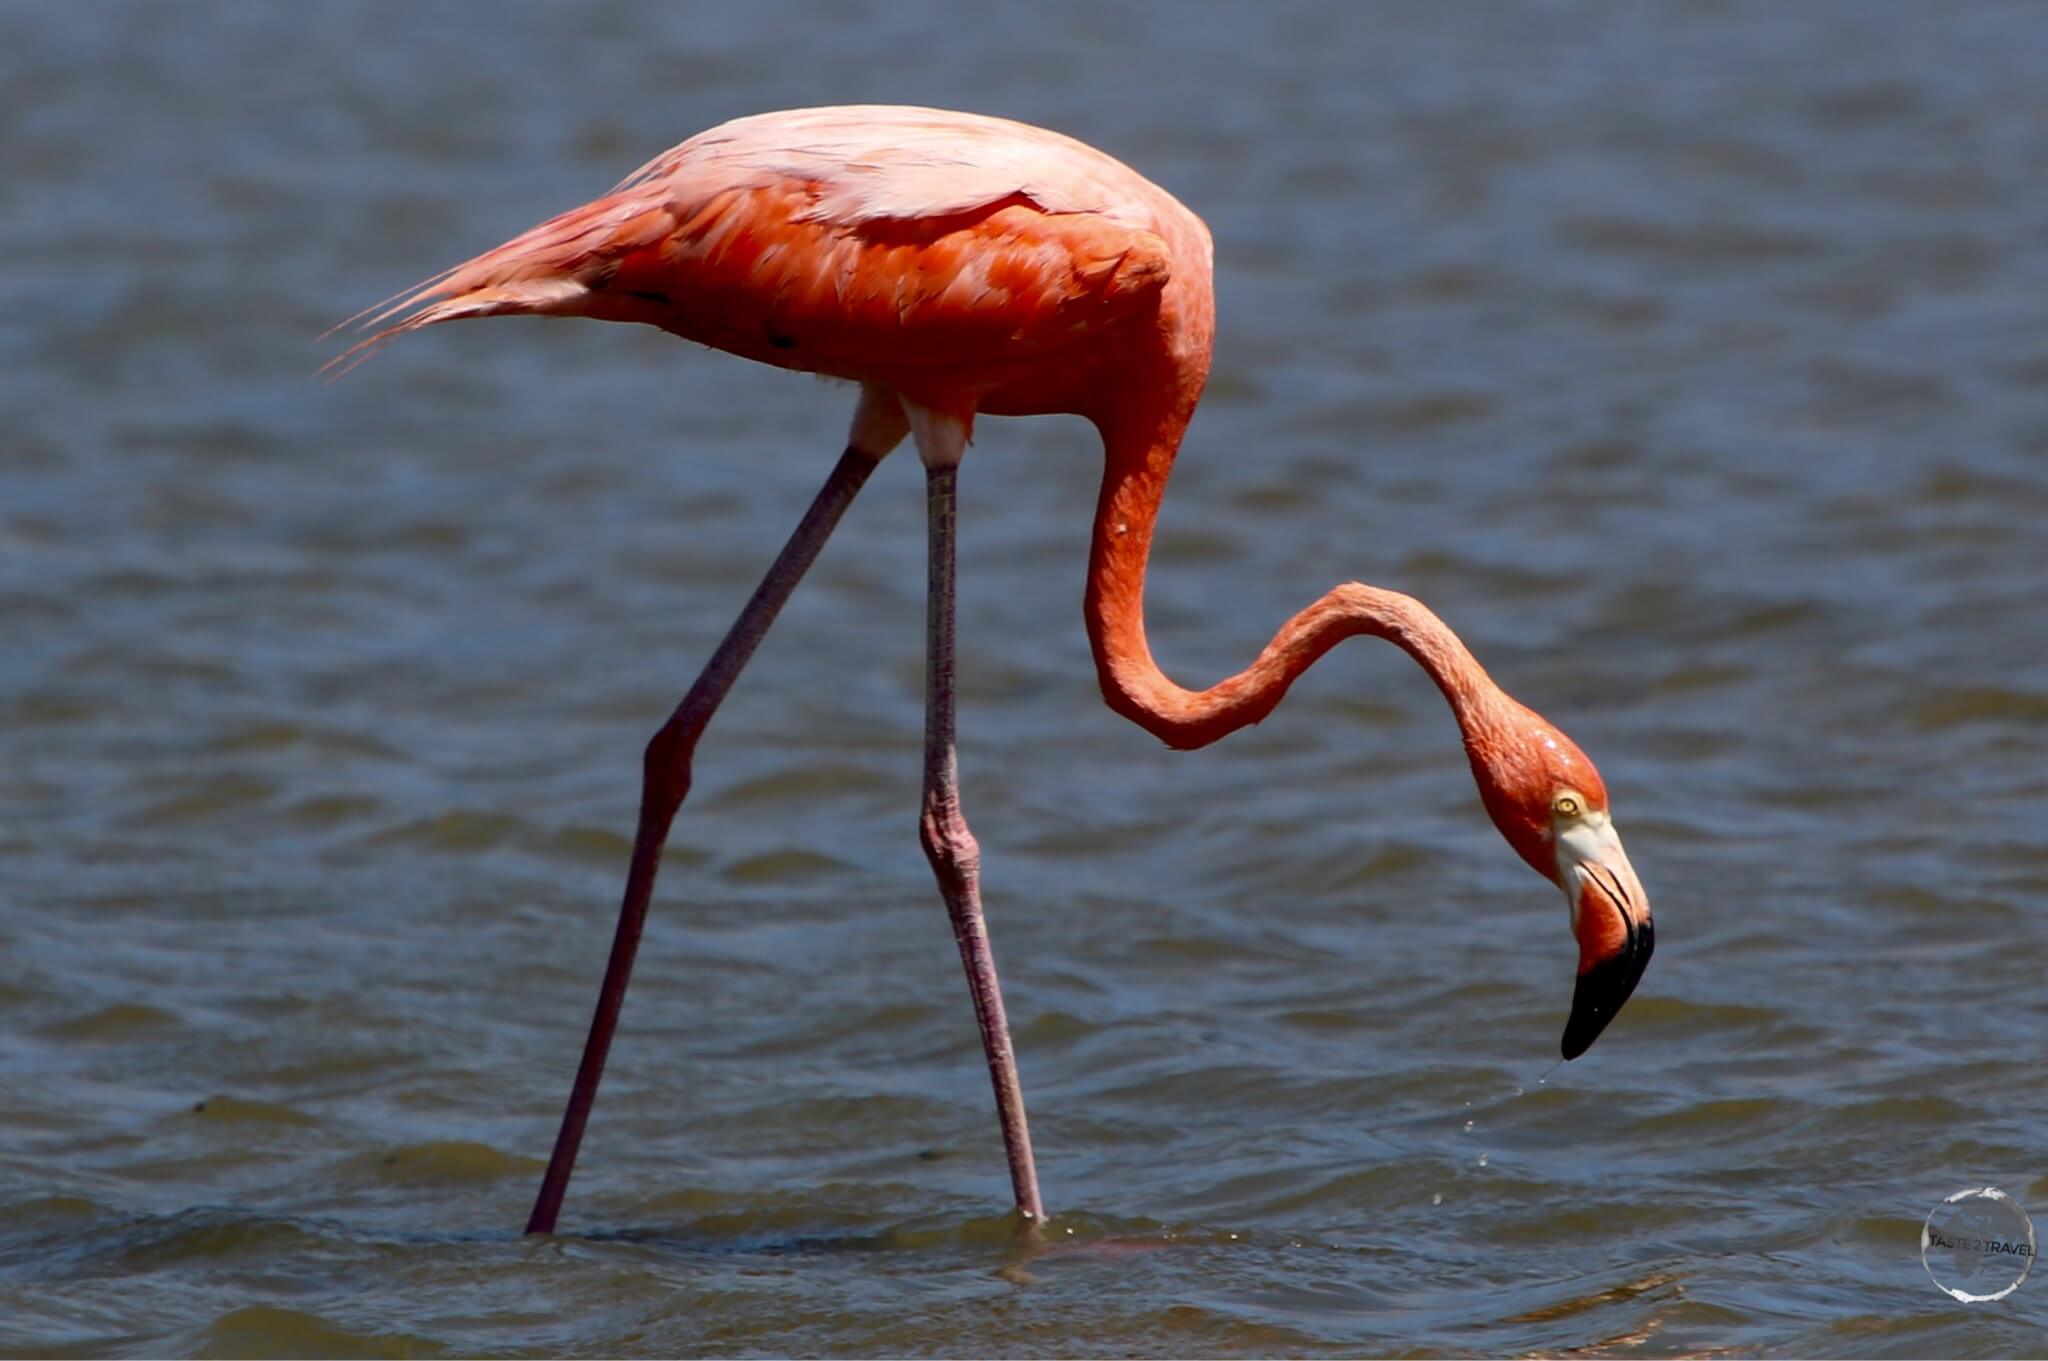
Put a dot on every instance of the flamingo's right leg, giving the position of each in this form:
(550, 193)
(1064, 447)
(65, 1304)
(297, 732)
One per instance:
(949, 843)
(878, 427)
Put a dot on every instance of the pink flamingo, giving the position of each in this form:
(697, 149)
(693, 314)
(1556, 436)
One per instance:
(953, 265)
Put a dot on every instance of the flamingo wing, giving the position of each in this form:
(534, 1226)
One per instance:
(868, 244)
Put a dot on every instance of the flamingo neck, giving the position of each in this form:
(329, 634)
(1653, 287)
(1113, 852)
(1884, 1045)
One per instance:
(1139, 456)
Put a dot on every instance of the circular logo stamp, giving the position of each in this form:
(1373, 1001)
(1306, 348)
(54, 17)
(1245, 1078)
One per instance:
(1978, 1245)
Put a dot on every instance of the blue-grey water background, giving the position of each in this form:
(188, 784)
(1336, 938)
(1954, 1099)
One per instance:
(1688, 360)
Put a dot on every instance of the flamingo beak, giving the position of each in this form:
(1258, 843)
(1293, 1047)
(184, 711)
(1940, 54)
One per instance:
(1611, 918)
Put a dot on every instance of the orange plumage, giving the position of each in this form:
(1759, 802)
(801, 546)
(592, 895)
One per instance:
(818, 265)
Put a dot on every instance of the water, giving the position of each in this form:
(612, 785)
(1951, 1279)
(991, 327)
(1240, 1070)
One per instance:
(1688, 362)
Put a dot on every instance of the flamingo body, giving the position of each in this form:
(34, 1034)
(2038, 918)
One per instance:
(967, 263)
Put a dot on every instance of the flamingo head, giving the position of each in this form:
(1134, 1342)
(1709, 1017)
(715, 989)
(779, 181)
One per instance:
(1551, 805)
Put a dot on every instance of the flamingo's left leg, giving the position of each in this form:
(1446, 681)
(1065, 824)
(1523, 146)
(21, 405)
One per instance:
(878, 426)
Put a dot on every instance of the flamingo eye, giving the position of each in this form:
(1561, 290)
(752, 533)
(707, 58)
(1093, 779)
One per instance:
(1567, 805)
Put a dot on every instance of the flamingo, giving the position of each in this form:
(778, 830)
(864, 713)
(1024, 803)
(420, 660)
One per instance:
(955, 265)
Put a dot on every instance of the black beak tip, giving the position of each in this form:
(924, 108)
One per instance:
(1582, 1029)
(1603, 989)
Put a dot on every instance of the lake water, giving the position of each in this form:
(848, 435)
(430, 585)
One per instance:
(1689, 361)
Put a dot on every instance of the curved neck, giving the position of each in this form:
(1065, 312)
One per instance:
(1139, 453)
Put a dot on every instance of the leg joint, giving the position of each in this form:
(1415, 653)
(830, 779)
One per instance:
(947, 840)
(665, 767)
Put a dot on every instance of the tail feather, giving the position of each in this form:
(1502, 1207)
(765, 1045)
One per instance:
(546, 271)
(537, 297)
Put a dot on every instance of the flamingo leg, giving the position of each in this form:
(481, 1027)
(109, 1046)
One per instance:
(950, 846)
(666, 779)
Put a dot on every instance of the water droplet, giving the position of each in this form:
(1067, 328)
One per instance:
(1468, 1126)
